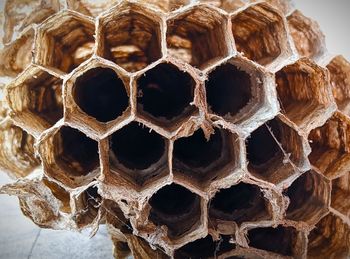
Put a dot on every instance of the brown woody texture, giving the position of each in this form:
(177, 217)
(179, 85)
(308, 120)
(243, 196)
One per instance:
(192, 129)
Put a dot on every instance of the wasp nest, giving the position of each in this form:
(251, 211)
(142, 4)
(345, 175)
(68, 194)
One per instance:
(193, 129)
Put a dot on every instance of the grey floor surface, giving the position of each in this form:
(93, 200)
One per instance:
(21, 239)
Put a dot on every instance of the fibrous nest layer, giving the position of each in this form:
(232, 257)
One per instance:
(193, 129)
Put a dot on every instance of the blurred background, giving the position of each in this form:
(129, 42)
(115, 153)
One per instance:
(21, 239)
(334, 19)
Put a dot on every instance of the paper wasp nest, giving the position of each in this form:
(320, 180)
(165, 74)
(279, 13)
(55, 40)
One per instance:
(193, 129)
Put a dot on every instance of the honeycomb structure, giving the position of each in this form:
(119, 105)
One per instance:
(192, 129)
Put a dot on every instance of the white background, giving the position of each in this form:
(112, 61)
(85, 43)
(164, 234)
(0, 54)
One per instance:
(334, 19)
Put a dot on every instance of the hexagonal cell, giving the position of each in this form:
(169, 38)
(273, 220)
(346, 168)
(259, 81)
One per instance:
(340, 194)
(229, 90)
(330, 146)
(309, 198)
(138, 154)
(64, 41)
(69, 156)
(91, 7)
(20, 15)
(205, 248)
(167, 5)
(17, 156)
(17, 55)
(60, 194)
(260, 34)
(323, 240)
(86, 208)
(97, 98)
(129, 36)
(197, 36)
(240, 203)
(35, 99)
(280, 240)
(227, 5)
(165, 94)
(236, 93)
(176, 208)
(101, 94)
(339, 69)
(200, 161)
(304, 93)
(275, 151)
(307, 35)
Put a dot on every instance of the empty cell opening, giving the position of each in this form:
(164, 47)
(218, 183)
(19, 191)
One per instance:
(61, 194)
(307, 36)
(137, 147)
(69, 44)
(330, 152)
(339, 69)
(205, 248)
(274, 150)
(200, 159)
(279, 240)
(258, 33)
(165, 92)
(239, 203)
(228, 90)
(131, 39)
(101, 94)
(197, 37)
(75, 153)
(308, 197)
(262, 147)
(340, 194)
(323, 240)
(173, 200)
(196, 151)
(175, 207)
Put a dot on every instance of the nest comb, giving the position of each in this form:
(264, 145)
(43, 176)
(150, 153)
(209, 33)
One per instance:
(193, 129)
